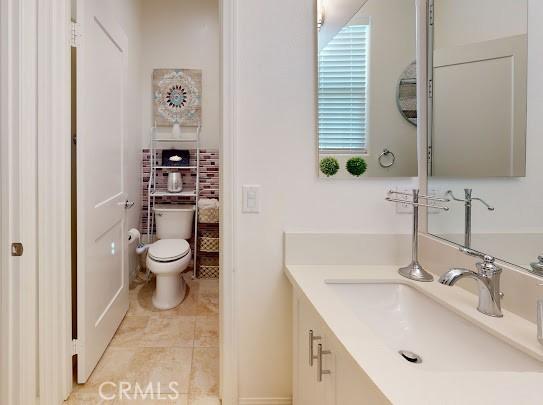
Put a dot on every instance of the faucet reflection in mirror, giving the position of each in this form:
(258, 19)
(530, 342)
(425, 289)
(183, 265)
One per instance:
(414, 270)
(467, 211)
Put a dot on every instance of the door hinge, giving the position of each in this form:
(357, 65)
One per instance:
(17, 249)
(76, 347)
(74, 42)
(431, 12)
(430, 88)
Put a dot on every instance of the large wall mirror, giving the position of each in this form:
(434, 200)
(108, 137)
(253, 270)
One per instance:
(478, 97)
(480, 153)
(367, 101)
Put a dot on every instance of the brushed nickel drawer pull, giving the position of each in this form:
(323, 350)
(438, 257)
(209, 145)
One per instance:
(312, 339)
(320, 371)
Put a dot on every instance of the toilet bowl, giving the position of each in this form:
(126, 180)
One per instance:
(167, 259)
(170, 255)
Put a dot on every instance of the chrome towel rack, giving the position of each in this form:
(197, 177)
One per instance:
(414, 270)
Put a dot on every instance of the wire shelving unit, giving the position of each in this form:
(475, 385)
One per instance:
(154, 192)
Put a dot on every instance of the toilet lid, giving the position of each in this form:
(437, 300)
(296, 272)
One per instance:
(168, 249)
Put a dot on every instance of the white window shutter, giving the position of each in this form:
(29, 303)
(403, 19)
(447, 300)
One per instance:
(343, 95)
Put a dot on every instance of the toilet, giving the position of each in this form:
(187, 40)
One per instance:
(170, 255)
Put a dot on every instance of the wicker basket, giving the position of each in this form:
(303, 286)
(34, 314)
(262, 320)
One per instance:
(208, 215)
(209, 267)
(209, 244)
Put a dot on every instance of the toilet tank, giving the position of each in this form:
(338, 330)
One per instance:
(174, 221)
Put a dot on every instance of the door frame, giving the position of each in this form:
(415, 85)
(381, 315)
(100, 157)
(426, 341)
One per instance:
(34, 128)
(54, 193)
(54, 200)
(18, 202)
(229, 203)
(45, 201)
(32, 205)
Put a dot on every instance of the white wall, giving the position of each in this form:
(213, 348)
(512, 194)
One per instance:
(182, 34)
(517, 201)
(276, 147)
(461, 22)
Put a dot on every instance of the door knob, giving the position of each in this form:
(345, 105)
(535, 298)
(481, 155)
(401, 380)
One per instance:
(127, 204)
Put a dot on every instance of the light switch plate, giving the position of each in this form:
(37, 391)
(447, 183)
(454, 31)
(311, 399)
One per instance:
(251, 199)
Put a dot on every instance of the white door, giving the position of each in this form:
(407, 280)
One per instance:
(479, 99)
(102, 271)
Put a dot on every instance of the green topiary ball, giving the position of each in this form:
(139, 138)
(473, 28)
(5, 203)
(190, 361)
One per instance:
(329, 166)
(356, 166)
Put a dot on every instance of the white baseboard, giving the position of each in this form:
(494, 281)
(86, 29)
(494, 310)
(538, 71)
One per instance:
(265, 401)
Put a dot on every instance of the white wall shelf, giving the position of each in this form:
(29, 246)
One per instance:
(188, 193)
(175, 167)
(172, 140)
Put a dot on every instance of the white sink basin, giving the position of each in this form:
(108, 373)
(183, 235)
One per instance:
(406, 319)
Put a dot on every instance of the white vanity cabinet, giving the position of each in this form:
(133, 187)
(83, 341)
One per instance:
(342, 381)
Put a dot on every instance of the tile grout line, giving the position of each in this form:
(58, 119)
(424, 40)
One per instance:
(194, 341)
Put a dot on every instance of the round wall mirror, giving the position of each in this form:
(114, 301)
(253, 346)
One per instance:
(407, 93)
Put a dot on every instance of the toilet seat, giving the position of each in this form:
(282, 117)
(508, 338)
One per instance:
(168, 250)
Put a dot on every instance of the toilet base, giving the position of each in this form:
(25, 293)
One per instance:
(170, 291)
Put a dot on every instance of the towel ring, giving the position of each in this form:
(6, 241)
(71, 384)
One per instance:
(386, 152)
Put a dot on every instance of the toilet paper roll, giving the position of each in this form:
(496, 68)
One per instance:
(133, 235)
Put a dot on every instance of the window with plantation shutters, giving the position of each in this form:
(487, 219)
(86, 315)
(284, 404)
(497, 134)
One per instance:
(343, 78)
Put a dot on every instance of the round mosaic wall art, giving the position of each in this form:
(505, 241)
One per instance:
(177, 96)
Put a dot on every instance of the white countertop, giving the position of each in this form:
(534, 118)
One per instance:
(399, 382)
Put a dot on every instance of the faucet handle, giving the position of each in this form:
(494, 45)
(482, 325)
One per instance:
(475, 253)
(487, 266)
(489, 259)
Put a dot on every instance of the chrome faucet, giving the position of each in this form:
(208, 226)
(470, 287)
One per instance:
(537, 267)
(488, 281)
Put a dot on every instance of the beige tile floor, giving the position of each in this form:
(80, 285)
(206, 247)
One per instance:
(161, 347)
